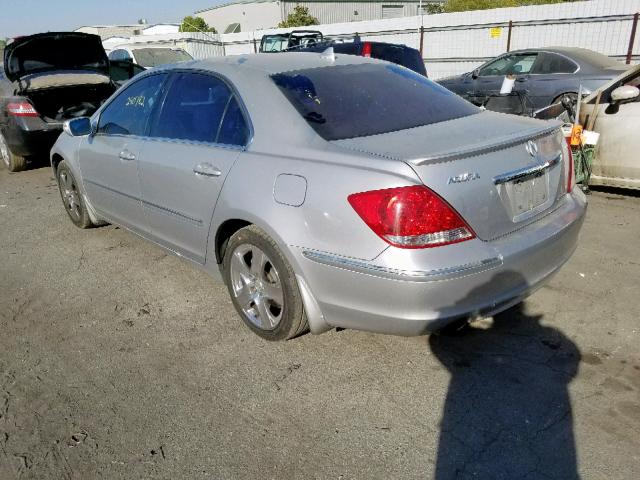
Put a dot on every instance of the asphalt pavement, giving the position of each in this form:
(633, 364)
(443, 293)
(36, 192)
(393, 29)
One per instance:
(118, 360)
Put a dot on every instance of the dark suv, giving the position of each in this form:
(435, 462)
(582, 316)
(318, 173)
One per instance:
(47, 79)
(395, 53)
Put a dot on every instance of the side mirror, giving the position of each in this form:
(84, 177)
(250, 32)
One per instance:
(78, 127)
(475, 74)
(624, 94)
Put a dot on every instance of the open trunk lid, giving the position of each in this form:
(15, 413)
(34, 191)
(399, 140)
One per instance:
(55, 51)
(500, 172)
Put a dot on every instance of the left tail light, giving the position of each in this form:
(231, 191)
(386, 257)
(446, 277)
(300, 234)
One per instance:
(411, 217)
(21, 109)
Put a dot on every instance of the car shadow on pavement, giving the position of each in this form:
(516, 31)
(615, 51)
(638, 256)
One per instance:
(507, 413)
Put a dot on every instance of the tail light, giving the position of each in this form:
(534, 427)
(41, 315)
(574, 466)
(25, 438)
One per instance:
(366, 49)
(21, 109)
(570, 176)
(411, 217)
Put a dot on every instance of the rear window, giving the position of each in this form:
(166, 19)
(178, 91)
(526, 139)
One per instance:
(350, 101)
(406, 57)
(152, 57)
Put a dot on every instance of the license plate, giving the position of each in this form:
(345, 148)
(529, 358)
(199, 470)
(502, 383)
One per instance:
(528, 194)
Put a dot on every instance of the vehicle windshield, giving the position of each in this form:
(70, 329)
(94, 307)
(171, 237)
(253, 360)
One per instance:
(351, 101)
(152, 57)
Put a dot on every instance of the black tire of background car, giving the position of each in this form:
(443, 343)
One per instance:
(294, 320)
(16, 162)
(84, 221)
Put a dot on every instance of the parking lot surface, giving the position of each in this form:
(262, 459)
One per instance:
(118, 360)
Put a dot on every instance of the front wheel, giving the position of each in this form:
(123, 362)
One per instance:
(263, 286)
(13, 162)
(71, 197)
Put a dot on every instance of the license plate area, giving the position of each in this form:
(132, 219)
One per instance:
(527, 196)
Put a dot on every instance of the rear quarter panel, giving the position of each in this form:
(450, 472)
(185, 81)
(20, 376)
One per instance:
(325, 221)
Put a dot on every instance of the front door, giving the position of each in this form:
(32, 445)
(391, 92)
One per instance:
(109, 159)
(619, 144)
(491, 76)
(193, 144)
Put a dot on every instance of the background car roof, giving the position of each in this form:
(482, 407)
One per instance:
(586, 58)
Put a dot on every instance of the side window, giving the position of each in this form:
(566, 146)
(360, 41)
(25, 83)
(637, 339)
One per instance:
(234, 130)
(518, 64)
(193, 108)
(129, 112)
(496, 67)
(550, 63)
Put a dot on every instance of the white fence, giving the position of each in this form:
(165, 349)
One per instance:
(454, 43)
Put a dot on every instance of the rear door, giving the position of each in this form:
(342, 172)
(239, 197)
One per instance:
(194, 141)
(109, 159)
(551, 76)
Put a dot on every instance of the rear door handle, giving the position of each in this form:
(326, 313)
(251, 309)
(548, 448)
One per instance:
(126, 155)
(207, 170)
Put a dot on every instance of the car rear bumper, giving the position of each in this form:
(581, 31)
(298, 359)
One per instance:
(478, 279)
(31, 135)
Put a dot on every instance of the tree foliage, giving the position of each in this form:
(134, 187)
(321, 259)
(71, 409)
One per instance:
(463, 5)
(195, 24)
(433, 8)
(300, 17)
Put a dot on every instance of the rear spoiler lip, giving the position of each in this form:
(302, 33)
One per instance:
(483, 148)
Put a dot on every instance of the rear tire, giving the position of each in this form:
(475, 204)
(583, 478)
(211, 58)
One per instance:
(263, 286)
(13, 162)
(72, 197)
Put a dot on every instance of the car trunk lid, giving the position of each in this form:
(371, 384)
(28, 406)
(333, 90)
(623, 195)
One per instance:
(54, 51)
(500, 172)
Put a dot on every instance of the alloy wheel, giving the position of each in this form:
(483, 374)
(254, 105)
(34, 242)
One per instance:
(256, 286)
(70, 195)
(4, 152)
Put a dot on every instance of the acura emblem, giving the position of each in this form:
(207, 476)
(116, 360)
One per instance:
(532, 148)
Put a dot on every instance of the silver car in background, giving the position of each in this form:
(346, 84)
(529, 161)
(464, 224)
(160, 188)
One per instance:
(328, 190)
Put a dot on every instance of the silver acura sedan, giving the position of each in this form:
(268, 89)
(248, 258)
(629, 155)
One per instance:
(328, 190)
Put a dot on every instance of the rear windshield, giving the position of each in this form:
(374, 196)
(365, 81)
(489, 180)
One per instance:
(350, 101)
(152, 57)
(407, 57)
(599, 60)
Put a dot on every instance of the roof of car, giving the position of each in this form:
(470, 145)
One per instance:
(271, 63)
(581, 55)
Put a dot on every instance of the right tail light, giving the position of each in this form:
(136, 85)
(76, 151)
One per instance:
(569, 173)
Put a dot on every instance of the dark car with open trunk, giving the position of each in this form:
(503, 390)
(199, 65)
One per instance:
(47, 79)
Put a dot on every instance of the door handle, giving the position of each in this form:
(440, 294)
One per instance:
(207, 170)
(521, 79)
(126, 155)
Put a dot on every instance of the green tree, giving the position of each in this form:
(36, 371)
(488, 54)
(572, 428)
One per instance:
(3, 43)
(463, 5)
(195, 24)
(300, 17)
